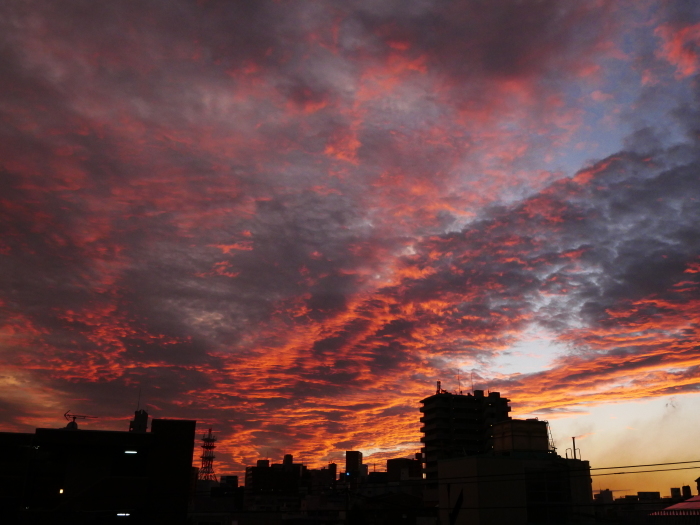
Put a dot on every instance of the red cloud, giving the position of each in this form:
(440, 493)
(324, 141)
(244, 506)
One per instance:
(680, 47)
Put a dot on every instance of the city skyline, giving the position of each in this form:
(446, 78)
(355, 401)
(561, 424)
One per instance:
(287, 220)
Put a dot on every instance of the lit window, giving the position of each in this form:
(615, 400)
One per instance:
(123, 514)
(60, 491)
(130, 452)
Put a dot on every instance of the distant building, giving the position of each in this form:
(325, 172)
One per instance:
(353, 464)
(520, 481)
(274, 487)
(227, 487)
(402, 469)
(79, 476)
(229, 481)
(456, 425)
(140, 422)
(322, 481)
(603, 497)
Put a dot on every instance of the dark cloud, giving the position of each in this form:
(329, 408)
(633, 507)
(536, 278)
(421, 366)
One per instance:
(502, 39)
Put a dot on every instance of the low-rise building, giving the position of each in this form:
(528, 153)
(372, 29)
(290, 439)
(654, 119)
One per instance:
(521, 481)
(69, 475)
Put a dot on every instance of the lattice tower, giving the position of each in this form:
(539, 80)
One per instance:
(206, 471)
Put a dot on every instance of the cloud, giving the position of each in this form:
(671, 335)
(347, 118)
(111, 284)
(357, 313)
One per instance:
(287, 220)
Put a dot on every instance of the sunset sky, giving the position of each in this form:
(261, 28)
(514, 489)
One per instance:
(288, 219)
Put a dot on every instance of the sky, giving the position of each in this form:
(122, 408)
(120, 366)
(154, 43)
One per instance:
(288, 219)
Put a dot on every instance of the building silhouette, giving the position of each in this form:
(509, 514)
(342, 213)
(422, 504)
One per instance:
(353, 464)
(274, 487)
(402, 469)
(140, 422)
(521, 480)
(456, 425)
(77, 476)
(477, 466)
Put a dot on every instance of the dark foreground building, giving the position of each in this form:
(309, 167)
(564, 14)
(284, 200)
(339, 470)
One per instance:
(97, 477)
(521, 481)
(457, 425)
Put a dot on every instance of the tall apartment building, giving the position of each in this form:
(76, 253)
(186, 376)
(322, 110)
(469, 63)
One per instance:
(456, 425)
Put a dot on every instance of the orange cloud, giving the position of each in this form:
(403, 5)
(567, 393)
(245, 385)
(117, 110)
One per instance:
(680, 47)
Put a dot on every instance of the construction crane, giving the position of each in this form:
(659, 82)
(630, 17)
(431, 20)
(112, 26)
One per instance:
(72, 425)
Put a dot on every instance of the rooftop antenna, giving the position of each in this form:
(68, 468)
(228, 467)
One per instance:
(573, 450)
(459, 383)
(552, 448)
(72, 425)
(472, 377)
(138, 403)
